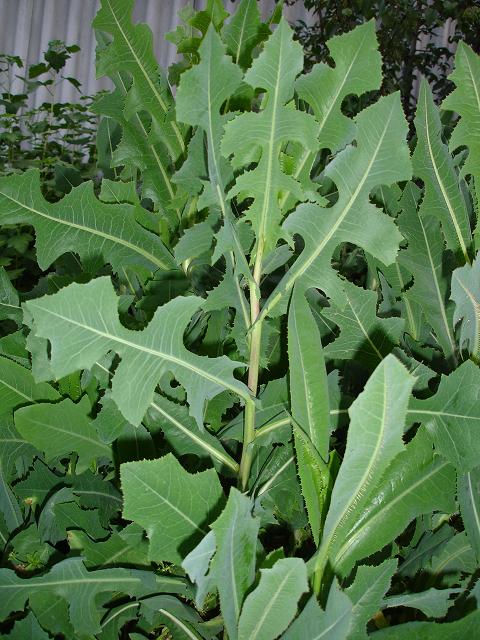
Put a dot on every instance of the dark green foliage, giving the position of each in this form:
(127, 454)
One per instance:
(242, 399)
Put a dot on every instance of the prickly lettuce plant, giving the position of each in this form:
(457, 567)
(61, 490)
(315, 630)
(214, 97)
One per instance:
(242, 402)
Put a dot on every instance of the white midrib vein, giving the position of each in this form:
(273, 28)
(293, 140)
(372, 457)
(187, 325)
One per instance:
(270, 604)
(452, 556)
(146, 76)
(476, 313)
(15, 390)
(219, 455)
(268, 178)
(72, 434)
(153, 352)
(162, 498)
(476, 515)
(179, 624)
(474, 84)
(443, 413)
(305, 386)
(325, 546)
(363, 330)
(353, 535)
(60, 583)
(290, 281)
(215, 453)
(240, 37)
(93, 231)
(441, 303)
(231, 562)
(442, 186)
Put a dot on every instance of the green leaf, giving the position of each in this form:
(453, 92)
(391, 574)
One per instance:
(468, 489)
(172, 505)
(419, 555)
(16, 454)
(93, 491)
(464, 100)
(82, 324)
(310, 407)
(200, 96)
(233, 566)
(417, 482)
(178, 618)
(131, 51)
(307, 374)
(39, 483)
(434, 603)
(183, 433)
(196, 565)
(433, 164)
(9, 507)
(466, 627)
(27, 627)
(466, 295)
(454, 558)
(121, 548)
(380, 157)
(9, 300)
(452, 416)
(377, 421)
(243, 32)
(61, 429)
(269, 609)
(358, 69)
(424, 259)
(366, 594)
(272, 422)
(70, 580)
(364, 337)
(17, 387)
(137, 147)
(80, 223)
(274, 71)
(331, 624)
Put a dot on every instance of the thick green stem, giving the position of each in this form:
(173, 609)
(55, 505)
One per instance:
(253, 371)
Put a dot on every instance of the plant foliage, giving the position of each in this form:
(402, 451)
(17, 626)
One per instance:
(242, 400)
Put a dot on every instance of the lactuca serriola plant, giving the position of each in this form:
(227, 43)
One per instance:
(243, 400)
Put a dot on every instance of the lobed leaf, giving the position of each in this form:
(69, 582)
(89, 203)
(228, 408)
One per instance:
(380, 157)
(172, 505)
(82, 224)
(82, 324)
(452, 416)
(464, 100)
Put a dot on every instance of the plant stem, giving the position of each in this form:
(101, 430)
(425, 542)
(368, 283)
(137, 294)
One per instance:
(253, 370)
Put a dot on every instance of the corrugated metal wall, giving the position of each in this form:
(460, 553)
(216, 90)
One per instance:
(26, 26)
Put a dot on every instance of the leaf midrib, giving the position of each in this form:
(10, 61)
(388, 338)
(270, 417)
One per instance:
(476, 314)
(153, 352)
(355, 533)
(166, 501)
(308, 154)
(92, 230)
(162, 104)
(290, 281)
(442, 186)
